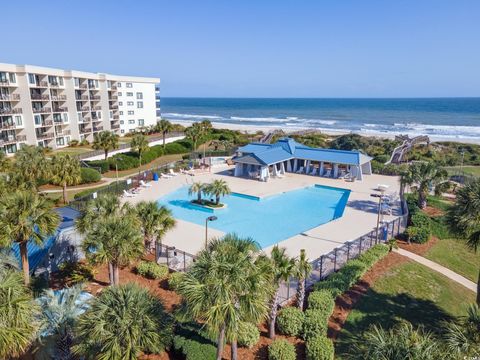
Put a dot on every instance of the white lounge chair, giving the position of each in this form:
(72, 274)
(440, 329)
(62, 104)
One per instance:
(127, 194)
(145, 184)
(299, 171)
(171, 172)
(314, 171)
(328, 173)
(165, 176)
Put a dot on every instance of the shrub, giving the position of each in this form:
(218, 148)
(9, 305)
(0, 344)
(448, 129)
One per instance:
(420, 219)
(103, 165)
(419, 235)
(281, 350)
(73, 143)
(176, 147)
(316, 323)
(248, 335)
(124, 162)
(321, 300)
(336, 286)
(84, 142)
(89, 175)
(319, 348)
(174, 279)
(152, 270)
(75, 272)
(192, 344)
(290, 321)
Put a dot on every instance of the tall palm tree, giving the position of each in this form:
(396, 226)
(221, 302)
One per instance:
(462, 338)
(194, 133)
(423, 175)
(164, 127)
(115, 241)
(122, 322)
(65, 171)
(106, 141)
(198, 188)
(218, 188)
(303, 269)
(18, 315)
(97, 209)
(139, 144)
(31, 165)
(283, 268)
(229, 283)
(60, 311)
(464, 218)
(8, 260)
(26, 216)
(155, 221)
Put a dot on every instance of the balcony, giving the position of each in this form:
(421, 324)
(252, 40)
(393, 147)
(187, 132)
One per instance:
(6, 82)
(83, 86)
(113, 87)
(45, 136)
(85, 108)
(95, 97)
(95, 119)
(97, 128)
(113, 107)
(85, 130)
(59, 97)
(42, 110)
(82, 98)
(113, 98)
(62, 132)
(12, 140)
(98, 107)
(40, 97)
(40, 84)
(60, 109)
(8, 111)
(115, 126)
(54, 84)
(8, 126)
(45, 123)
(116, 117)
(9, 97)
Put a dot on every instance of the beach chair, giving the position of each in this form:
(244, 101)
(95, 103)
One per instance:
(386, 209)
(165, 176)
(145, 184)
(300, 171)
(171, 172)
(314, 171)
(127, 194)
(328, 173)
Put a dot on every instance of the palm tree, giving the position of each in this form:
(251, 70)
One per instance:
(31, 165)
(106, 141)
(8, 260)
(139, 144)
(97, 209)
(462, 338)
(4, 162)
(193, 133)
(65, 171)
(400, 342)
(229, 283)
(283, 268)
(122, 322)
(164, 127)
(463, 217)
(198, 188)
(303, 269)
(25, 216)
(115, 241)
(155, 222)
(60, 311)
(218, 188)
(18, 315)
(423, 175)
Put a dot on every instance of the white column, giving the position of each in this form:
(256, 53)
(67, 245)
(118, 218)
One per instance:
(359, 173)
(282, 167)
(335, 170)
(307, 167)
(289, 165)
(321, 169)
(295, 165)
(264, 173)
(238, 169)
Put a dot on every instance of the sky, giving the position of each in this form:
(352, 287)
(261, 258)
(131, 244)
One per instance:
(318, 48)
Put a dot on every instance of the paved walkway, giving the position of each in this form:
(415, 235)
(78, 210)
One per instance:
(439, 268)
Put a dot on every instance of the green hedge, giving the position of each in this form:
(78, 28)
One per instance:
(152, 270)
(281, 350)
(103, 165)
(316, 323)
(248, 335)
(177, 147)
(420, 229)
(319, 348)
(290, 321)
(189, 342)
(125, 161)
(89, 175)
(321, 300)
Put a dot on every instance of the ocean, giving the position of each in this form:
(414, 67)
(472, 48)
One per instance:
(442, 118)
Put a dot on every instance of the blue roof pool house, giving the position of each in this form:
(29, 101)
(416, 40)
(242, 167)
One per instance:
(262, 161)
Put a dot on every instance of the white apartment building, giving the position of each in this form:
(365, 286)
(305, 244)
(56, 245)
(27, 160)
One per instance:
(50, 107)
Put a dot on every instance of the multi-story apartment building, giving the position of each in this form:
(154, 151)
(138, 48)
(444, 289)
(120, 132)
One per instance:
(50, 107)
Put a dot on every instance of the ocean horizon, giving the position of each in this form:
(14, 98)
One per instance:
(446, 118)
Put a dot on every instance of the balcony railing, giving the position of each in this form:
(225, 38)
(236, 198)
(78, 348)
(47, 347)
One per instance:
(45, 123)
(98, 107)
(44, 136)
(97, 128)
(12, 139)
(40, 84)
(10, 97)
(85, 108)
(85, 130)
(95, 97)
(115, 126)
(40, 96)
(83, 86)
(42, 110)
(54, 84)
(113, 87)
(59, 97)
(81, 98)
(7, 126)
(113, 107)
(5, 111)
(60, 109)
(6, 82)
(63, 132)
(113, 98)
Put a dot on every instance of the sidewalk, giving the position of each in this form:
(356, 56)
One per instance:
(439, 268)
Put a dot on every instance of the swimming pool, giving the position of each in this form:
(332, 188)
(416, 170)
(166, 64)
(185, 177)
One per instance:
(267, 220)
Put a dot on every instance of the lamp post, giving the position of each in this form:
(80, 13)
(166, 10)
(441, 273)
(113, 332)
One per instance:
(210, 218)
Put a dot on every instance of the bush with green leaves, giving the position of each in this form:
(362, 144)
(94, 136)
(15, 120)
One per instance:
(191, 344)
(290, 321)
(316, 323)
(73, 143)
(176, 147)
(321, 300)
(124, 161)
(319, 348)
(419, 235)
(281, 349)
(174, 279)
(76, 272)
(102, 165)
(152, 270)
(89, 175)
(248, 335)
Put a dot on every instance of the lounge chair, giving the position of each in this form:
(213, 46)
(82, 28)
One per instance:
(127, 194)
(171, 172)
(165, 176)
(280, 176)
(314, 171)
(386, 209)
(145, 184)
(328, 173)
(300, 171)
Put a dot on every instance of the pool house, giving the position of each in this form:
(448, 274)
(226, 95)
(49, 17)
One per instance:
(262, 161)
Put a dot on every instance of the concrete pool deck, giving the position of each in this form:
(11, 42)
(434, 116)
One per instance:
(359, 217)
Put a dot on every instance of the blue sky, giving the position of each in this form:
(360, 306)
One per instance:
(322, 48)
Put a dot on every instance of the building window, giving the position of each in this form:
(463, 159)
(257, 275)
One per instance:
(11, 149)
(65, 118)
(119, 84)
(60, 141)
(60, 80)
(110, 114)
(119, 93)
(31, 78)
(12, 77)
(121, 112)
(122, 131)
(129, 93)
(131, 121)
(131, 112)
(120, 103)
(129, 85)
(141, 122)
(129, 103)
(139, 96)
(18, 120)
(38, 119)
(122, 122)
(77, 82)
(140, 104)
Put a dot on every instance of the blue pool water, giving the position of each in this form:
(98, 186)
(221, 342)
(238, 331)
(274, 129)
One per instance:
(267, 220)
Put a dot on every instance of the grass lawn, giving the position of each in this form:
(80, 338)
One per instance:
(407, 291)
(162, 160)
(470, 170)
(72, 150)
